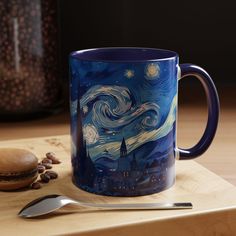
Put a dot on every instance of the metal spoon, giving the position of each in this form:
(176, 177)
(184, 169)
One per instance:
(49, 203)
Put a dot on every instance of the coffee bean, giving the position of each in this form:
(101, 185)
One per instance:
(41, 168)
(36, 185)
(52, 174)
(47, 165)
(45, 178)
(56, 161)
(46, 160)
(51, 155)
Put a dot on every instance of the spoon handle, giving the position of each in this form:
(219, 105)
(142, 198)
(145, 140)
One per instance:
(140, 206)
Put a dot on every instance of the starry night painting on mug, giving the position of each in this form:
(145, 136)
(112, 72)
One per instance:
(123, 126)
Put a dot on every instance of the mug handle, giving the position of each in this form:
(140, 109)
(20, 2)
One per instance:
(213, 111)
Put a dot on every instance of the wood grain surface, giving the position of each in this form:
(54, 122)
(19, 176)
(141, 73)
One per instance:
(214, 201)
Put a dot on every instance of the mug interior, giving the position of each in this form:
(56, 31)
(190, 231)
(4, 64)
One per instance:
(124, 54)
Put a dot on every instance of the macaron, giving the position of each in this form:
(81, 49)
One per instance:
(18, 168)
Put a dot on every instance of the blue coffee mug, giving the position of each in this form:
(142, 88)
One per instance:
(123, 119)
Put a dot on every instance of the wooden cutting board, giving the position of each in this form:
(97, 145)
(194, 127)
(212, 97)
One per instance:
(213, 198)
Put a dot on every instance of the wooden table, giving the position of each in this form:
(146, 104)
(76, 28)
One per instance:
(213, 197)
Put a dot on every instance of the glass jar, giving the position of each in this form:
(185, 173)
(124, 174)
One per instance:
(30, 82)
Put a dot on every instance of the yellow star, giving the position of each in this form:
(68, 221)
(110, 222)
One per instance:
(129, 74)
(152, 70)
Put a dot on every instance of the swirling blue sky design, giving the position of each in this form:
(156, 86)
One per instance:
(116, 104)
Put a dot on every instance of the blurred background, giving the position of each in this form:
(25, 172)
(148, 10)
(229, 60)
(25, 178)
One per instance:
(202, 32)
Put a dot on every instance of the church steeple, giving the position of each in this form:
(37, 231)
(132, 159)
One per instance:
(123, 149)
(123, 162)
